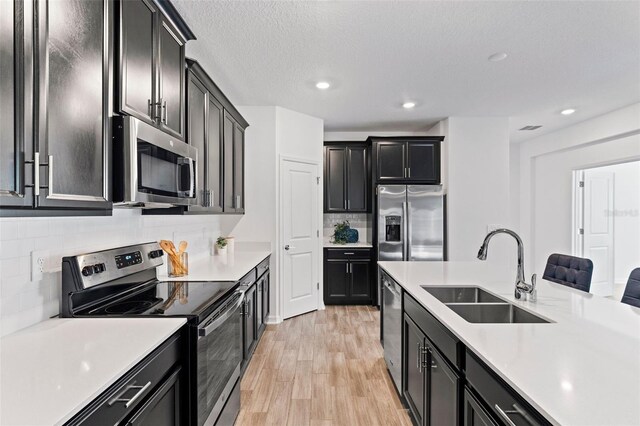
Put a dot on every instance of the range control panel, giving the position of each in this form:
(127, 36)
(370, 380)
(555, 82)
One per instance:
(128, 259)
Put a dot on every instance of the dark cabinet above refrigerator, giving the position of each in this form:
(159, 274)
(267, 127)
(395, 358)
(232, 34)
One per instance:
(407, 159)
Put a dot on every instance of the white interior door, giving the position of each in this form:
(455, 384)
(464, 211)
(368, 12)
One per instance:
(300, 248)
(598, 228)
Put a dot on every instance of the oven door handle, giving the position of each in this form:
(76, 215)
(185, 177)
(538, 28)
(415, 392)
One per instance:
(192, 178)
(205, 331)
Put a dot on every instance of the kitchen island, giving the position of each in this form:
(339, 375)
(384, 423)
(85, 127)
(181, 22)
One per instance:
(580, 368)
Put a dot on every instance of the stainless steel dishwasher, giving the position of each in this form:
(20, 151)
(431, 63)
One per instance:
(392, 328)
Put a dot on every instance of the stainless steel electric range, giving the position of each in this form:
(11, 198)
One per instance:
(123, 282)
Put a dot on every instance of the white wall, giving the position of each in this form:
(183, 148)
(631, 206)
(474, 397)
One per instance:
(546, 164)
(23, 303)
(477, 161)
(626, 220)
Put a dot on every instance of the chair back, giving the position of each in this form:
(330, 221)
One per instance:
(631, 294)
(568, 270)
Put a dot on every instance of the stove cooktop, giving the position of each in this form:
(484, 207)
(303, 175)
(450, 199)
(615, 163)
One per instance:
(165, 298)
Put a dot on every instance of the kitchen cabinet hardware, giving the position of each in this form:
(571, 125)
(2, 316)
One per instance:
(129, 401)
(503, 415)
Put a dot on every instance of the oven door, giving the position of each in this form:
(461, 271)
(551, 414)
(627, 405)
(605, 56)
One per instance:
(159, 169)
(219, 356)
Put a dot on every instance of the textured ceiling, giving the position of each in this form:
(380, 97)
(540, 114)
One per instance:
(562, 54)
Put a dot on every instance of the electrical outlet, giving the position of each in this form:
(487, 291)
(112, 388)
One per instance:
(38, 264)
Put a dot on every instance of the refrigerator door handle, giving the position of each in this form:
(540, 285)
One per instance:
(409, 232)
(405, 231)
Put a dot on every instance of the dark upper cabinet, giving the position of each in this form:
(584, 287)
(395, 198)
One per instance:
(14, 190)
(346, 178)
(238, 168)
(151, 66)
(213, 157)
(171, 73)
(347, 276)
(56, 130)
(227, 163)
(407, 160)
(197, 128)
(137, 44)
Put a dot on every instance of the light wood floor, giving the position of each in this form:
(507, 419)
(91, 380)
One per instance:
(323, 368)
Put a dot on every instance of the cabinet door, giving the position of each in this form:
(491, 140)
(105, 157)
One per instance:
(423, 162)
(249, 322)
(259, 307)
(73, 118)
(164, 407)
(266, 293)
(228, 132)
(391, 160)
(442, 391)
(214, 155)
(137, 53)
(335, 178)
(336, 281)
(12, 148)
(196, 134)
(357, 179)
(238, 168)
(414, 386)
(360, 271)
(474, 414)
(171, 77)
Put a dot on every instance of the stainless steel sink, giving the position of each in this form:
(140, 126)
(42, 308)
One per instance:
(462, 295)
(500, 313)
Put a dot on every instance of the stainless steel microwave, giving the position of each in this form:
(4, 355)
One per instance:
(151, 168)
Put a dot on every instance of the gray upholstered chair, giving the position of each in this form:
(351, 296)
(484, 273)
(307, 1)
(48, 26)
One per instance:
(631, 294)
(571, 271)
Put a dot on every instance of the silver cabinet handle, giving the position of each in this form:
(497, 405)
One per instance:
(409, 172)
(129, 401)
(36, 171)
(348, 204)
(165, 111)
(504, 415)
(237, 206)
(150, 109)
(419, 358)
(348, 252)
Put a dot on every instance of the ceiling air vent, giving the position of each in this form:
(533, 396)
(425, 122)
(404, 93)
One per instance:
(530, 127)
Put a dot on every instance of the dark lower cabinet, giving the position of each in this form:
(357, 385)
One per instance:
(153, 393)
(249, 329)
(163, 408)
(266, 294)
(430, 385)
(259, 302)
(347, 276)
(474, 413)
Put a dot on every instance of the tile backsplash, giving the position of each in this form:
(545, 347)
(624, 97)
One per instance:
(360, 221)
(24, 302)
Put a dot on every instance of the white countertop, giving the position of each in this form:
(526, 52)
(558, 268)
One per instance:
(360, 244)
(50, 371)
(582, 369)
(228, 267)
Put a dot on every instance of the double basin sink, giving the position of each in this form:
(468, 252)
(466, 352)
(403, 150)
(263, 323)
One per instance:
(477, 305)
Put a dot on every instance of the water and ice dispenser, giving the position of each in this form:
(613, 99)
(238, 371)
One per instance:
(393, 228)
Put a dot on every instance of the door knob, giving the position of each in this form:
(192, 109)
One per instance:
(286, 247)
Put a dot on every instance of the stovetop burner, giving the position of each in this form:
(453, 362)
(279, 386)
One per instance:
(131, 306)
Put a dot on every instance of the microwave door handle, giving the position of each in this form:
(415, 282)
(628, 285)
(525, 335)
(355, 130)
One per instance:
(192, 178)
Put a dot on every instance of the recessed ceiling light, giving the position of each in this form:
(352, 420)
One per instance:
(323, 85)
(497, 57)
(567, 111)
(408, 105)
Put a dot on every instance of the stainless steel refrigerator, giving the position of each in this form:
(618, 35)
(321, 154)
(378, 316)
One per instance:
(410, 222)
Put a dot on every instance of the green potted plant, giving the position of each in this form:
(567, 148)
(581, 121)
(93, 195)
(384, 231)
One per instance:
(221, 246)
(340, 232)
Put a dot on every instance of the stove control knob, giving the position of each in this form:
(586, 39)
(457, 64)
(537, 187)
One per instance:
(87, 270)
(155, 254)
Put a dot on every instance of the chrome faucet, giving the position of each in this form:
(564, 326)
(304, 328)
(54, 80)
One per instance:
(523, 289)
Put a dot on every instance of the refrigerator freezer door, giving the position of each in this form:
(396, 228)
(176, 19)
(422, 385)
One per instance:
(391, 222)
(425, 222)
